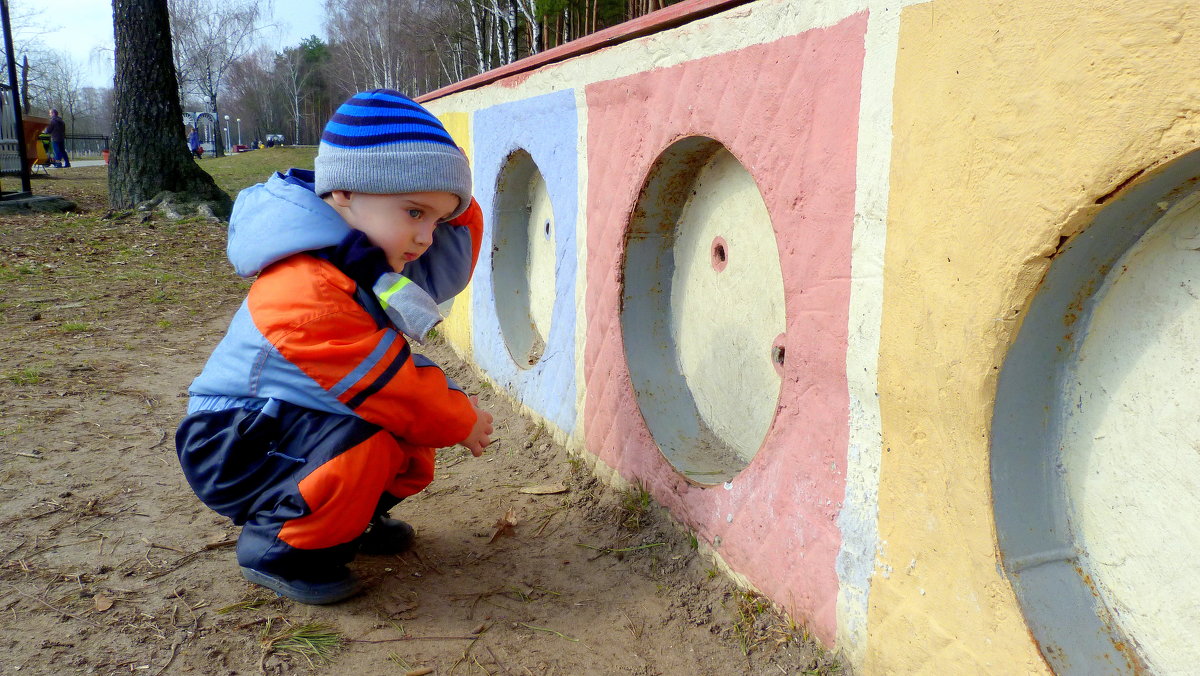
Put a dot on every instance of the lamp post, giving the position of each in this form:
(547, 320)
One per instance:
(239, 121)
(226, 132)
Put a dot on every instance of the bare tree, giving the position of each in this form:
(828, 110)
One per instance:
(370, 40)
(209, 36)
(294, 76)
(253, 90)
(27, 25)
(59, 85)
(150, 155)
(95, 111)
(391, 44)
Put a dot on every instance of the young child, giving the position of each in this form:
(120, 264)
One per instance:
(312, 418)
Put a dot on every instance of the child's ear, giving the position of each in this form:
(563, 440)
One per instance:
(340, 198)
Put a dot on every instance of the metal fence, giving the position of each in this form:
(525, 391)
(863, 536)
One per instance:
(10, 149)
(85, 145)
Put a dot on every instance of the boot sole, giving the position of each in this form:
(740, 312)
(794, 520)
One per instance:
(314, 594)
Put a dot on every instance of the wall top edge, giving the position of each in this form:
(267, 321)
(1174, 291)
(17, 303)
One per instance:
(654, 22)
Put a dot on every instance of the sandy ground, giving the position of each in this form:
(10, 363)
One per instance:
(110, 565)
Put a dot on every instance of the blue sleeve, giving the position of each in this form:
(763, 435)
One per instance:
(445, 269)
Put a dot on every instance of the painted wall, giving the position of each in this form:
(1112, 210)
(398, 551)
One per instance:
(937, 477)
(457, 326)
(544, 127)
(1138, 363)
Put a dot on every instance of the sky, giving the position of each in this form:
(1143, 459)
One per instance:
(79, 27)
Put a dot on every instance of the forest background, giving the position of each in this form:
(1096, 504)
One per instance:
(225, 65)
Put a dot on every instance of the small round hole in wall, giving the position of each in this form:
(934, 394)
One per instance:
(699, 326)
(720, 254)
(778, 354)
(523, 258)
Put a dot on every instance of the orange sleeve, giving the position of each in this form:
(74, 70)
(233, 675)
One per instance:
(305, 308)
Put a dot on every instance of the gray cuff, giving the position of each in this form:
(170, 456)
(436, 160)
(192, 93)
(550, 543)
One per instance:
(410, 308)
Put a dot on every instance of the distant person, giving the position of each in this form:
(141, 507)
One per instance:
(57, 129)
(194, 143)
(313, 417)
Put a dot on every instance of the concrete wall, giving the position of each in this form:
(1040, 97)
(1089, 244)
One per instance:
(890, 302)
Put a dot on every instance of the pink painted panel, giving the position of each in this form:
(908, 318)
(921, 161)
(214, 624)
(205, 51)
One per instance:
(788, 110)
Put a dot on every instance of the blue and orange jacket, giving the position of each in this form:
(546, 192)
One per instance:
(308, 334)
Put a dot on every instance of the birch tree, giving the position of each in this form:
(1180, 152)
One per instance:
(209, 36)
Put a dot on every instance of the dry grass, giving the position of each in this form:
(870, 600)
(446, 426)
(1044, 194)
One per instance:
(315, 642)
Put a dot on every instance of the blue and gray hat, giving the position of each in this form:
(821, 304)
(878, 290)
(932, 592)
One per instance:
(385, 143)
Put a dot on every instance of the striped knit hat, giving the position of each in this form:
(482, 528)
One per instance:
(385, 143)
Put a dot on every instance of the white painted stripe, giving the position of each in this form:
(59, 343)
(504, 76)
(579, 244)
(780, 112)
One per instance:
(857, 520)
(581, 235)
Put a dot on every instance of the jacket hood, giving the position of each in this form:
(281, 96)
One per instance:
(279, 218)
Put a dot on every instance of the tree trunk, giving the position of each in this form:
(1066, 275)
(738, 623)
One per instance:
(219, 142)
(478, 29)
(149, 152)
(513, 31)
(296, 108)
(25, 83)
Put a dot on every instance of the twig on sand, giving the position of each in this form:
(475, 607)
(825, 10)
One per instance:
(411, 638)
(169, 547)
(54, 608)
(608, 550)
(549, 631)
(174, 651)
(496, 660)
(465, 654)
(188, 558)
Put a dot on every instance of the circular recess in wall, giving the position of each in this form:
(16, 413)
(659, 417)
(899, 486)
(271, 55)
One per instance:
(523, 269)
(700, 325)
(1095, 468)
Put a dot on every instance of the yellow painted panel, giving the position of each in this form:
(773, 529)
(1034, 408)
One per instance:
(457, 327)
(1012, 119)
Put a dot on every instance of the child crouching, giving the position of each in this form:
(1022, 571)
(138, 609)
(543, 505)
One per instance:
(312, 417)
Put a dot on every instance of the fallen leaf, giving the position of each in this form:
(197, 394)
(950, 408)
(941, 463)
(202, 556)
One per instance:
(102, 603)
(505, 525)
(419, 672)
(395, 606)
(544, 489)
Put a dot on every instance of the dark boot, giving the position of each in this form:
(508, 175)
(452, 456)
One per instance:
(386, 536)
(331, 587)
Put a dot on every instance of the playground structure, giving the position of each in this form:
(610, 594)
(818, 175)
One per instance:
(205, 123)
(890, 302)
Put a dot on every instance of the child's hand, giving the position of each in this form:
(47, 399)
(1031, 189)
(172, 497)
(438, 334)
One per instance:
(480, 433)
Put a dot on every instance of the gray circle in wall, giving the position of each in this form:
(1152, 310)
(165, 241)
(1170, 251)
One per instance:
(702, 310)
(1093, 477)
(523, 259)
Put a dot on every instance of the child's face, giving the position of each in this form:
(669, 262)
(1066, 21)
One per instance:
(402, 225)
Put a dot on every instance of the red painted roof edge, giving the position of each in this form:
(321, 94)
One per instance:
(659, 20)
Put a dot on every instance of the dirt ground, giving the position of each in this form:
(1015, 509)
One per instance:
(110, 565)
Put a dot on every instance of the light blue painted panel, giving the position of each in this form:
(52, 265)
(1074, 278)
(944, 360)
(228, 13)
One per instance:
(546, 127)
